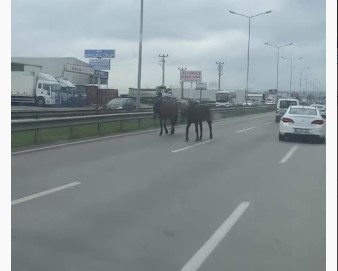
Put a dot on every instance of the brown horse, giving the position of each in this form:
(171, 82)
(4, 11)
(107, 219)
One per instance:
(196, 113)
(166, 109)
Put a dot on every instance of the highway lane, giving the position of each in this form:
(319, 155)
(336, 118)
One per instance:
(141, 206)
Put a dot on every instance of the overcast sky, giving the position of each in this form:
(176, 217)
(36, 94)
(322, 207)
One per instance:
(194, 33)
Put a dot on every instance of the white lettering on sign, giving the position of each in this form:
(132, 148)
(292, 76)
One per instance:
(79, 69)
(191, 76)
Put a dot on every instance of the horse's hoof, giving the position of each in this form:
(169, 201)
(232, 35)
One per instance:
(187, 140)
(160, 134)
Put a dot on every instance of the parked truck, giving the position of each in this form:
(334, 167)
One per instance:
(32, 87)
(69, 93)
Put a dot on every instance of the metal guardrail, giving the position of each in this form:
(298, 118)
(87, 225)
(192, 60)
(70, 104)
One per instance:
(65, 113)
(53, 122)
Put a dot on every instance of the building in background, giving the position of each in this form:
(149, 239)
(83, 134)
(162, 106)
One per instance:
(76, 71)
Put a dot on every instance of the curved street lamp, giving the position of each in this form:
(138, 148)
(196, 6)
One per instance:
(291, 60)
(278, 47)
(300, 77)
(247, 68)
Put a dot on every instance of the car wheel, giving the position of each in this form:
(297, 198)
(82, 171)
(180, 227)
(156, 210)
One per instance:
(40, 101)
(281, 137)
(322, 140)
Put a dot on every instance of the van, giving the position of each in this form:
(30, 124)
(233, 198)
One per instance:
(283, 105)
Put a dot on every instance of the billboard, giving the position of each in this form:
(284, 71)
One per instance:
(200, 86)
(101, 74)
(100, 64)
(99, 53)
(191, 76)
(79, 69)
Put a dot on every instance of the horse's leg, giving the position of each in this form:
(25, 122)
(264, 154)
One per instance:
(210, 128)
(196, 129)
(172, 122)
(187, 131)
(161, 125)
(165, 126)
(201, 129)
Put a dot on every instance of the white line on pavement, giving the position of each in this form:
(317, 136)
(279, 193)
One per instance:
(191, 146)
(269, 122)
(83, 141)
(202, 254)
(44, 193)
(289, 154)
(241, 131)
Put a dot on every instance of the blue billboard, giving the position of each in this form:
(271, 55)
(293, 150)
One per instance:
(101, 74)
(100, 64)
(99, 53)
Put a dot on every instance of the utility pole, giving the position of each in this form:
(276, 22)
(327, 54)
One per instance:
(182, 82)
(220, 72)
(163, 66)
(139, 59)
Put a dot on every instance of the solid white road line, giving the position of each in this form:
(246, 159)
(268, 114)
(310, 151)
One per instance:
(83, 141)
(289, 154)
(191, 146)
(44, 193)
(241, 131)
(202, 254)
(269, 122)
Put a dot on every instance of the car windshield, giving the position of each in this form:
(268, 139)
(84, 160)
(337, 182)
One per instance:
(286, 104)
(116, 102)
(303, 111)
(318, 106)
(222, 97)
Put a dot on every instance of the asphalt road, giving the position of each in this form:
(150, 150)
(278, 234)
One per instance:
(243, 201)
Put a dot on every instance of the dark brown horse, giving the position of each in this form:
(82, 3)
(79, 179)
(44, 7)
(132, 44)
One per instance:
(196, 113)
(166, 109)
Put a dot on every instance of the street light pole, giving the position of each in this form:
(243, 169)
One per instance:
(182, 82)
(291, 61)
(139, 59)
(248, 61)
(278, 47)
(300, 78)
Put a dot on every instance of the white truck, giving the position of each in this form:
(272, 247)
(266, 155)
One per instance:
(69, 93)
(31, 87)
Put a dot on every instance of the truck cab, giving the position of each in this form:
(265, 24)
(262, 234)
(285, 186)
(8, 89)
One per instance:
(69, 94)
(47, 90)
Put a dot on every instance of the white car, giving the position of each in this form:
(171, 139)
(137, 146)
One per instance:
(321, 108)
(302, 121)
(282, 105)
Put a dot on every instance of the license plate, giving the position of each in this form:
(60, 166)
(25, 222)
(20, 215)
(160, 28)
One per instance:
(301, 131)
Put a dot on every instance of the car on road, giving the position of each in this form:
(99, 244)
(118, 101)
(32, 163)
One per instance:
(282, 105)
(269, 102)
(302, 121)
(248, 103)
(121, 104)
(321, 108)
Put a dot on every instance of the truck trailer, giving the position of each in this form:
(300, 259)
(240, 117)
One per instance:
(32, 87)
